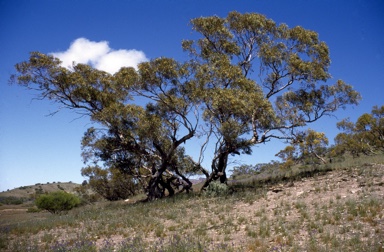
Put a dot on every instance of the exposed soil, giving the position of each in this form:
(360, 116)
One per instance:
(347, 204)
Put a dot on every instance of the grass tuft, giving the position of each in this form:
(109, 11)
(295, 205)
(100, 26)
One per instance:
(338, 210)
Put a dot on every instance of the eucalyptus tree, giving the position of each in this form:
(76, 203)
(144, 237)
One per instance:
(366, 136)
(248, 81)
(310, 147)
(258, 81)
(141, 117)
(171, 119)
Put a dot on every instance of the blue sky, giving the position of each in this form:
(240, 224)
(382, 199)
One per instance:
(36, 148)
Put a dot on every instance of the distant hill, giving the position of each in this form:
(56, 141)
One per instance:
(197, 180)
(28, 191)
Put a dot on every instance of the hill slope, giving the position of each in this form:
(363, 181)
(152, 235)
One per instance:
(28, 191)
(341, 210)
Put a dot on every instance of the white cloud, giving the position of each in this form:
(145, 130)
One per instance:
(99, 55)
(114, 60)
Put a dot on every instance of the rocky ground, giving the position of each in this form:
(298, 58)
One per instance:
(341, 210)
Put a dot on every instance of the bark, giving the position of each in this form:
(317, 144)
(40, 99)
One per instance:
(154, 191)
(167, 184)
(157, 185)
(187, 186)
(208, 181)
(320, 158)
(219, 165)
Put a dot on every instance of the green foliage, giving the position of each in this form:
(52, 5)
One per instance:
(308, 148)
(144, 116)
(366, 136)
(11, 200)
(111, 184)
(292, 66)
(217, 189)
(246, 170)
(86, 194)
(57, 202)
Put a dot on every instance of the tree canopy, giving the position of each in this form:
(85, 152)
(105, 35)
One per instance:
(258, 81)
(248, 80)
(308, 148)
(366, 136)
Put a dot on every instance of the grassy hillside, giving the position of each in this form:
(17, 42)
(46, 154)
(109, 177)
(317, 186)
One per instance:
(340, 209)
(27, 192)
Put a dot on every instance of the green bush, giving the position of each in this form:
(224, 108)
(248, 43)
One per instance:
(11, 200)
(216, 189)
(57, 202)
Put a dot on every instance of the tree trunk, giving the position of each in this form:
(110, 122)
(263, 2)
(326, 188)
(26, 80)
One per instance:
(157, 185)
(208, 181)
(320, 158)
(219, 165)
(167, 184)
(222, 166)
(186, 183)
(154, 191)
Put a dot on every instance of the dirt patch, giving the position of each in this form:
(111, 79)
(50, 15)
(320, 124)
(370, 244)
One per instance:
(340, 210)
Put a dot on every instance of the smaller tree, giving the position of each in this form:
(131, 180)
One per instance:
(288, 155)
(246, 169)
(308, 147)
(111, 184)
(365, 136)
(56, 202)
(313, 146)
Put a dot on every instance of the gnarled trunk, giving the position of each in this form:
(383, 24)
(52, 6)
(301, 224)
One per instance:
(219, 165)
(154, 191)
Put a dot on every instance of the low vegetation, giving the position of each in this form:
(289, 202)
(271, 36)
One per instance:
(57, 202)
(11, 200)
(338, 207)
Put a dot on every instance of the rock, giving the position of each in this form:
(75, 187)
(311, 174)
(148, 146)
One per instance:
(291, 184)
(277, 189)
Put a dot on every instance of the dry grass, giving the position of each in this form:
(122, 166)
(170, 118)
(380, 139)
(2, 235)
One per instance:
(341, 210)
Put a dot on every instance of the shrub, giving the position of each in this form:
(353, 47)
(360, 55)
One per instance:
(11, 200)
(57, 202)
(86, 195)
(33, 210)
(112, 184)
(217, 189)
